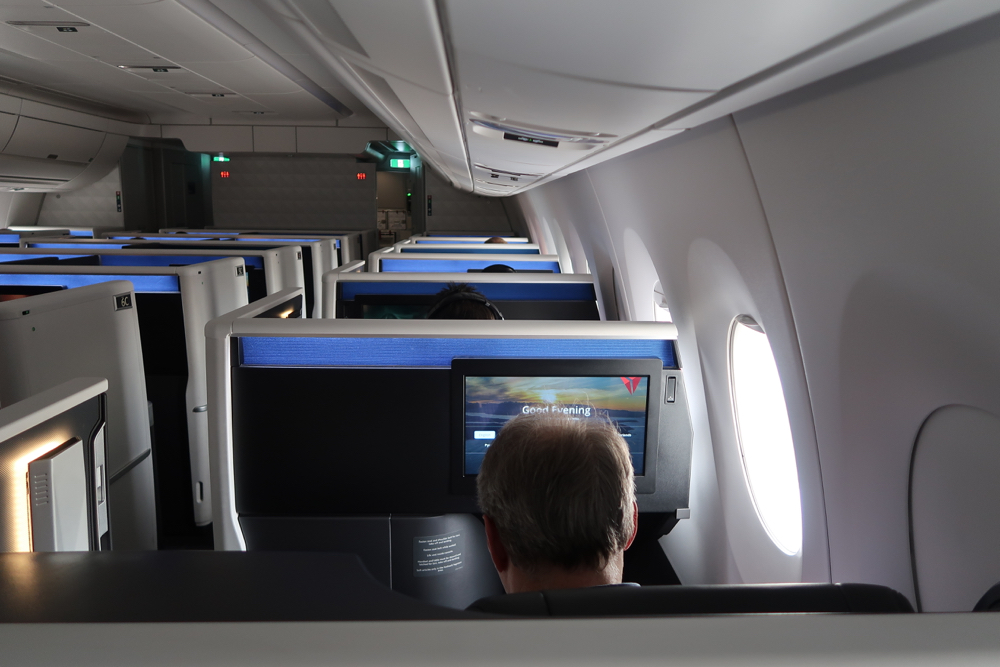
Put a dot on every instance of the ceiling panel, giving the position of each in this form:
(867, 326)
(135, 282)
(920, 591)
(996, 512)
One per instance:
(91, 42)
(248, 77)
(168, 30)
(27, 45)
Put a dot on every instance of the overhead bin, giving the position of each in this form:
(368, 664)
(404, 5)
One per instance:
(41, 155)
(53, 141)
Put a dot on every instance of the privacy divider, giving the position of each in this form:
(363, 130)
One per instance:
(327, 434)
(518, 296)
(173, 305)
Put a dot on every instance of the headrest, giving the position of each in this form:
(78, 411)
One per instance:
(694, 600)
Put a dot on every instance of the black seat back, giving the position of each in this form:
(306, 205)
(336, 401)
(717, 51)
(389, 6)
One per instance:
(696, 600)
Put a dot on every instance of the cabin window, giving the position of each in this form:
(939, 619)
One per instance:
(764, 435)
(661, 313)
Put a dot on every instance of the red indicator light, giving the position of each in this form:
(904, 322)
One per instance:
(362, 176)
(224, 174)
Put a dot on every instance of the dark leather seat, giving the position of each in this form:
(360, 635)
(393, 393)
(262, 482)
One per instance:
(696, 600)
(990, 601)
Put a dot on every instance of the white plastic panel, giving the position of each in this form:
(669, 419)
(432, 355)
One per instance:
(42, 139)
(57, 486)
(350, 140)
(955, 508)
(703, 45)
(402, 37)
(7, 123)
(212, 138)
(274, 139)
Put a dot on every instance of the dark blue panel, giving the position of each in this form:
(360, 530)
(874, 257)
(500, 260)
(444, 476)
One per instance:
(459, 265)
(438, 352)
(496, 291)
(492, 249)
(170, 260)
(469, 242)
(78, 246)
(16, 256)
(141, 283)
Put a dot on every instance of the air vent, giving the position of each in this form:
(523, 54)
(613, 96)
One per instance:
(256, 113)
(504, 172)
(151, 68)
(503, 128)
(50, 24)
(494, 185)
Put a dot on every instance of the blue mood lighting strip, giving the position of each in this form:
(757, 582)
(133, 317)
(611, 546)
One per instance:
(77, 246)
(439, 352)
(170, 260)
(337, 241)
(473, 234)
(164, 284)
(439, 241)
(10, 238)
(350, 290)
(83, 233)
(460, 265)
(285, 241)
(492, 249)
(160, 238)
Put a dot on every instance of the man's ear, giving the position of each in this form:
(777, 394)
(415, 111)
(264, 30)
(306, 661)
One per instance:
(635, 524)
(498, 552)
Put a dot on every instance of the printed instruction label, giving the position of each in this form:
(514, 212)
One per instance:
(434, 555)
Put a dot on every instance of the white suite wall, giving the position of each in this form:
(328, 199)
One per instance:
(880, 186)
(691, 202)
(856, 219)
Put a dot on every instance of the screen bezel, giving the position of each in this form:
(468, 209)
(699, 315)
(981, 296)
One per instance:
(463, 484)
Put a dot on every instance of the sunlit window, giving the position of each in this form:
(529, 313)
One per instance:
(764, 434)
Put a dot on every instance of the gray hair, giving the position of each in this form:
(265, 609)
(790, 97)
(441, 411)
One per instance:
(560, 491)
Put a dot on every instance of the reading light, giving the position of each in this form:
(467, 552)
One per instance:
(285, 314)
(18, 486)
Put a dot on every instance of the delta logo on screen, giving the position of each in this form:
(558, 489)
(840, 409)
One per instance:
(631, 384)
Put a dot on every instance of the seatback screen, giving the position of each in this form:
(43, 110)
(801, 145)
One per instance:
(492, 401)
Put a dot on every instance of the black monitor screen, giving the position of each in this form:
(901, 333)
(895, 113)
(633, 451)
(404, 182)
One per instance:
(616, 390)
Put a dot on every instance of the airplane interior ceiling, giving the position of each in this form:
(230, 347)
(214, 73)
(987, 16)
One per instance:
(473, 86)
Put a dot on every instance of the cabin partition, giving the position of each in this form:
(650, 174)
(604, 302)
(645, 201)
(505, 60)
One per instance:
(394, 489)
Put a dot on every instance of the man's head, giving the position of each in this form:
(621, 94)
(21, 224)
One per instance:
(459, 301)
(496, 239)
(559, 499)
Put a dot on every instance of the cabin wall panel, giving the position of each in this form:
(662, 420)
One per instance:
(880, 188)
(96, 205)
(19, 208)
(455, 210)
(691, 202)
(301, 192)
